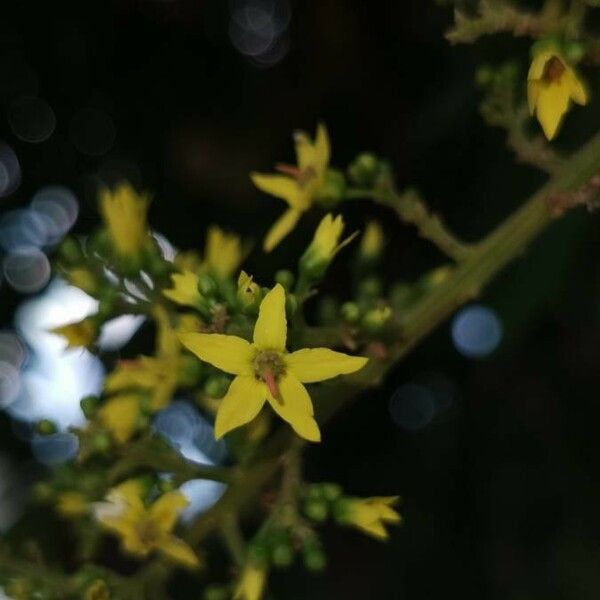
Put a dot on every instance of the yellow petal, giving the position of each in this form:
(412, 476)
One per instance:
(295, 406)
(305, 150)
(241, 404)
(533, 93)
(538, 64)
(178, 551)
(131, 492)
(223, 253)
(553, 101)
(579, 92)
(120, 416)
(229, 353)
(280, 186)
(184, 290)
(322, 149)
(281, 228)
(270, 331)
(251, 583)
(317, 364)
(165, 510)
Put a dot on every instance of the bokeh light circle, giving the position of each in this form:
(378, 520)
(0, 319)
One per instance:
(412, 406)
(31, 119)
(10, 170)
(27, 270)
(54, 449)
(476, 331)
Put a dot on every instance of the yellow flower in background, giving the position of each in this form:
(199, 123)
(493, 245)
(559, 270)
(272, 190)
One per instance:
(78, 335)
(551, 85)
(251, 583)
(124, 212)
(297, 185)
(156, 376)
(248, 291)
(370, 515)
(82, 278)
(371, 243)
(184, 290)
(265, 371)
(222, 253)
(324, 245)
(72, 504)
(144, 529)
(120, 415)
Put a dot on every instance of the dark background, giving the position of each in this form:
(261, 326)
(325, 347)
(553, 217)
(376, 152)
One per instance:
(500, 492)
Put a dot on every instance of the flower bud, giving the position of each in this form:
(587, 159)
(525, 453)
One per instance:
(314, 558)
(248, 292)
(376, 318)
(285, 278)
(350, 312)
(316, 511)
(371, 243)
(363, 171)
(333, 189)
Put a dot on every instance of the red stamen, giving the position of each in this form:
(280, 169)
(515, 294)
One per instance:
(271, 383)
(290, 170)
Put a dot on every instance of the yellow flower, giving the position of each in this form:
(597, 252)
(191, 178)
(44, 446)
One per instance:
(551, 85)
(248, 291)
(157, 375)
(370, 515)
(124, 213)
(185, 289)
(144, 529)
(71, 504)
(371, 242)
(297, 185)
(222, 253)
(78, 335)
(120, 415)
(266, 372)
(252, 582)
(324, 246)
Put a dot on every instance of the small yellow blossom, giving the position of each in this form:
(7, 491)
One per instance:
(371, 243)
(251, 584)
(298, 185)
(144, 529)
(325, 245)
(80, 334)
(551, 85)
(155, 375)
(71, 504)
(124, 213)
(265, 371)
(185, 289)
(248, 291)
(222, 253)
(370, 515)
(97, 590)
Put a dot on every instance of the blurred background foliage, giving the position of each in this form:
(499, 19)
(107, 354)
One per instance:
(500, 486)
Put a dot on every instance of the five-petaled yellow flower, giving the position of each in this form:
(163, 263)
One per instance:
(251, 583)
(297, 185)
(266, 372)
(370, 515)
(124, 213)
(144, 529)
(551, 85)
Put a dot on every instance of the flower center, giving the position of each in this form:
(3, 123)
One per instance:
(269, 367)
(553, 69)
(301, 177)
(148, 532)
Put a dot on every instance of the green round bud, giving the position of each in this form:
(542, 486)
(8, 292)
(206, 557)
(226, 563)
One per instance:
(333, 190)
(315, 492)
(314, 558)
(70, 251)
(285, 278)
(370, 287)
(257, 551)
(216, 386)
(350, 312)
(282, 555)
(102, 441)
(89, 404)
(207, 285)
(46, 427)
(316, 511)
(331, 491)
(364, 169)
(291, 304)
(216, 592)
